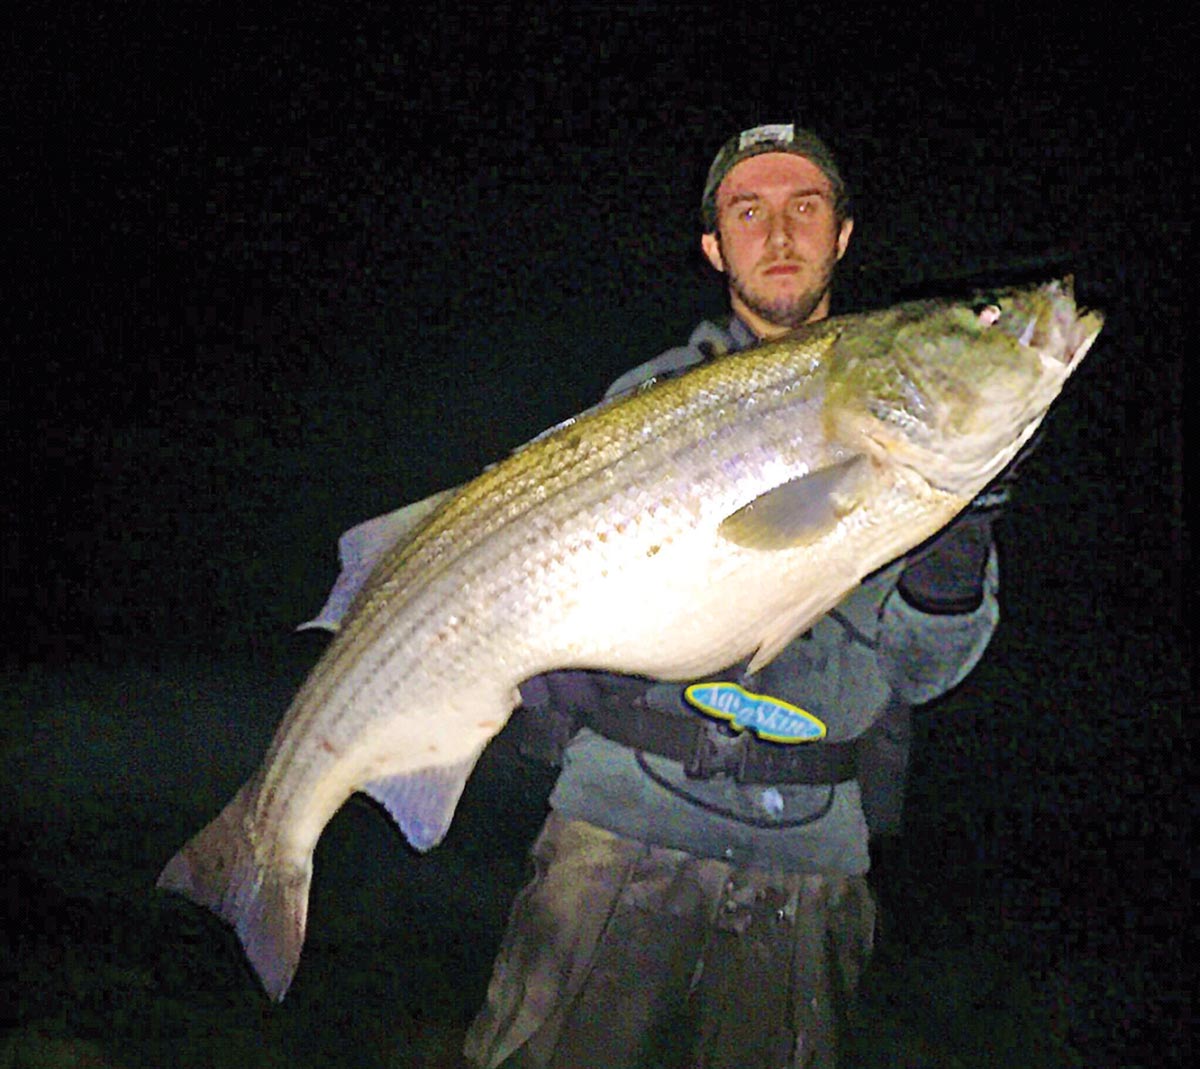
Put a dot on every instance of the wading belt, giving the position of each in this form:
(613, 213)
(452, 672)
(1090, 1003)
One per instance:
(706, 748)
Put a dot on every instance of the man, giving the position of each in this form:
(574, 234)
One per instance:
(699, 897)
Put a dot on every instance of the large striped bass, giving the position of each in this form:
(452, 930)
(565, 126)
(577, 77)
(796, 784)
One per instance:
(669, 534)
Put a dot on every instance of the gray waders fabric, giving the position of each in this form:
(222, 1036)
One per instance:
(620, 955)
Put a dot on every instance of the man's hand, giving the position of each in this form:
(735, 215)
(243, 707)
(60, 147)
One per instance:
(946, 575)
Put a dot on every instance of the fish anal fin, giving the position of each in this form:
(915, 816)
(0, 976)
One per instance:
(802, 510)
(266, 905)
(422, 803)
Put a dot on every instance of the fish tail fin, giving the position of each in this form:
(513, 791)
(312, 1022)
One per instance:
(266, 905)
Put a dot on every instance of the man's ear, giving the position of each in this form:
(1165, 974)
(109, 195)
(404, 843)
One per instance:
(711, 247)
(843, 241)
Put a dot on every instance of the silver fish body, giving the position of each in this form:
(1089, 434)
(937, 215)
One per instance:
(669, 534)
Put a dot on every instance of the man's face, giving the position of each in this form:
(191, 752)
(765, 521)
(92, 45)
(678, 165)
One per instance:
(778, 240)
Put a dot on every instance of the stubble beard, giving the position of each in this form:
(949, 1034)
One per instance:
(789, 312)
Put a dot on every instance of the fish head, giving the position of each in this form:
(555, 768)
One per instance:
(952, 390)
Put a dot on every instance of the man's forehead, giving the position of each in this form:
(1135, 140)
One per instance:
(773, 172)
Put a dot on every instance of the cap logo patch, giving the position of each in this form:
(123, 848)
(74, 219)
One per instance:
(784, 132)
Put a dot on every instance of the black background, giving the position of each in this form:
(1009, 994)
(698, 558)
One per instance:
(269, 274)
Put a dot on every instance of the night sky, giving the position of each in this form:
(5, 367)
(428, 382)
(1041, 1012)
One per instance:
(270, 275)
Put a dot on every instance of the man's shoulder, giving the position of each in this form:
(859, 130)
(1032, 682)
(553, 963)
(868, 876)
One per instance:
(708, 339)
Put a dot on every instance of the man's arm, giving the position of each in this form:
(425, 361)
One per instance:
(945, 609)
(949, 576)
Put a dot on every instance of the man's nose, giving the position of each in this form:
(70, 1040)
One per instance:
(780, 234)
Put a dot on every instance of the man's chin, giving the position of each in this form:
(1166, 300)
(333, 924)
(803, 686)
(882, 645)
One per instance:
(787, 312)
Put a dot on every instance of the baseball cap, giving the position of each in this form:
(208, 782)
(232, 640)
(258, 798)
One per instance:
(774, 137)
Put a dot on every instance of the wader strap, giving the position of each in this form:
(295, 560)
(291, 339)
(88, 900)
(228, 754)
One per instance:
(706, 748)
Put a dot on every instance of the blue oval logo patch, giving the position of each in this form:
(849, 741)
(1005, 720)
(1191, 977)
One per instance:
(769, 718)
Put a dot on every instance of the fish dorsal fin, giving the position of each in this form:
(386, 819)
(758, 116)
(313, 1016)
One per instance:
(801, 510)
(361, 548)
(423, 802)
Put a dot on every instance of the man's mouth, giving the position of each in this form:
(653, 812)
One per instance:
(782, 269)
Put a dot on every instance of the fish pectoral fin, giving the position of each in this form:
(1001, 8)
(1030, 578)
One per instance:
(801, 510)
(422, 803)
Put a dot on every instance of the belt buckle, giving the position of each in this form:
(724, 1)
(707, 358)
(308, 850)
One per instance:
(716, 751)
